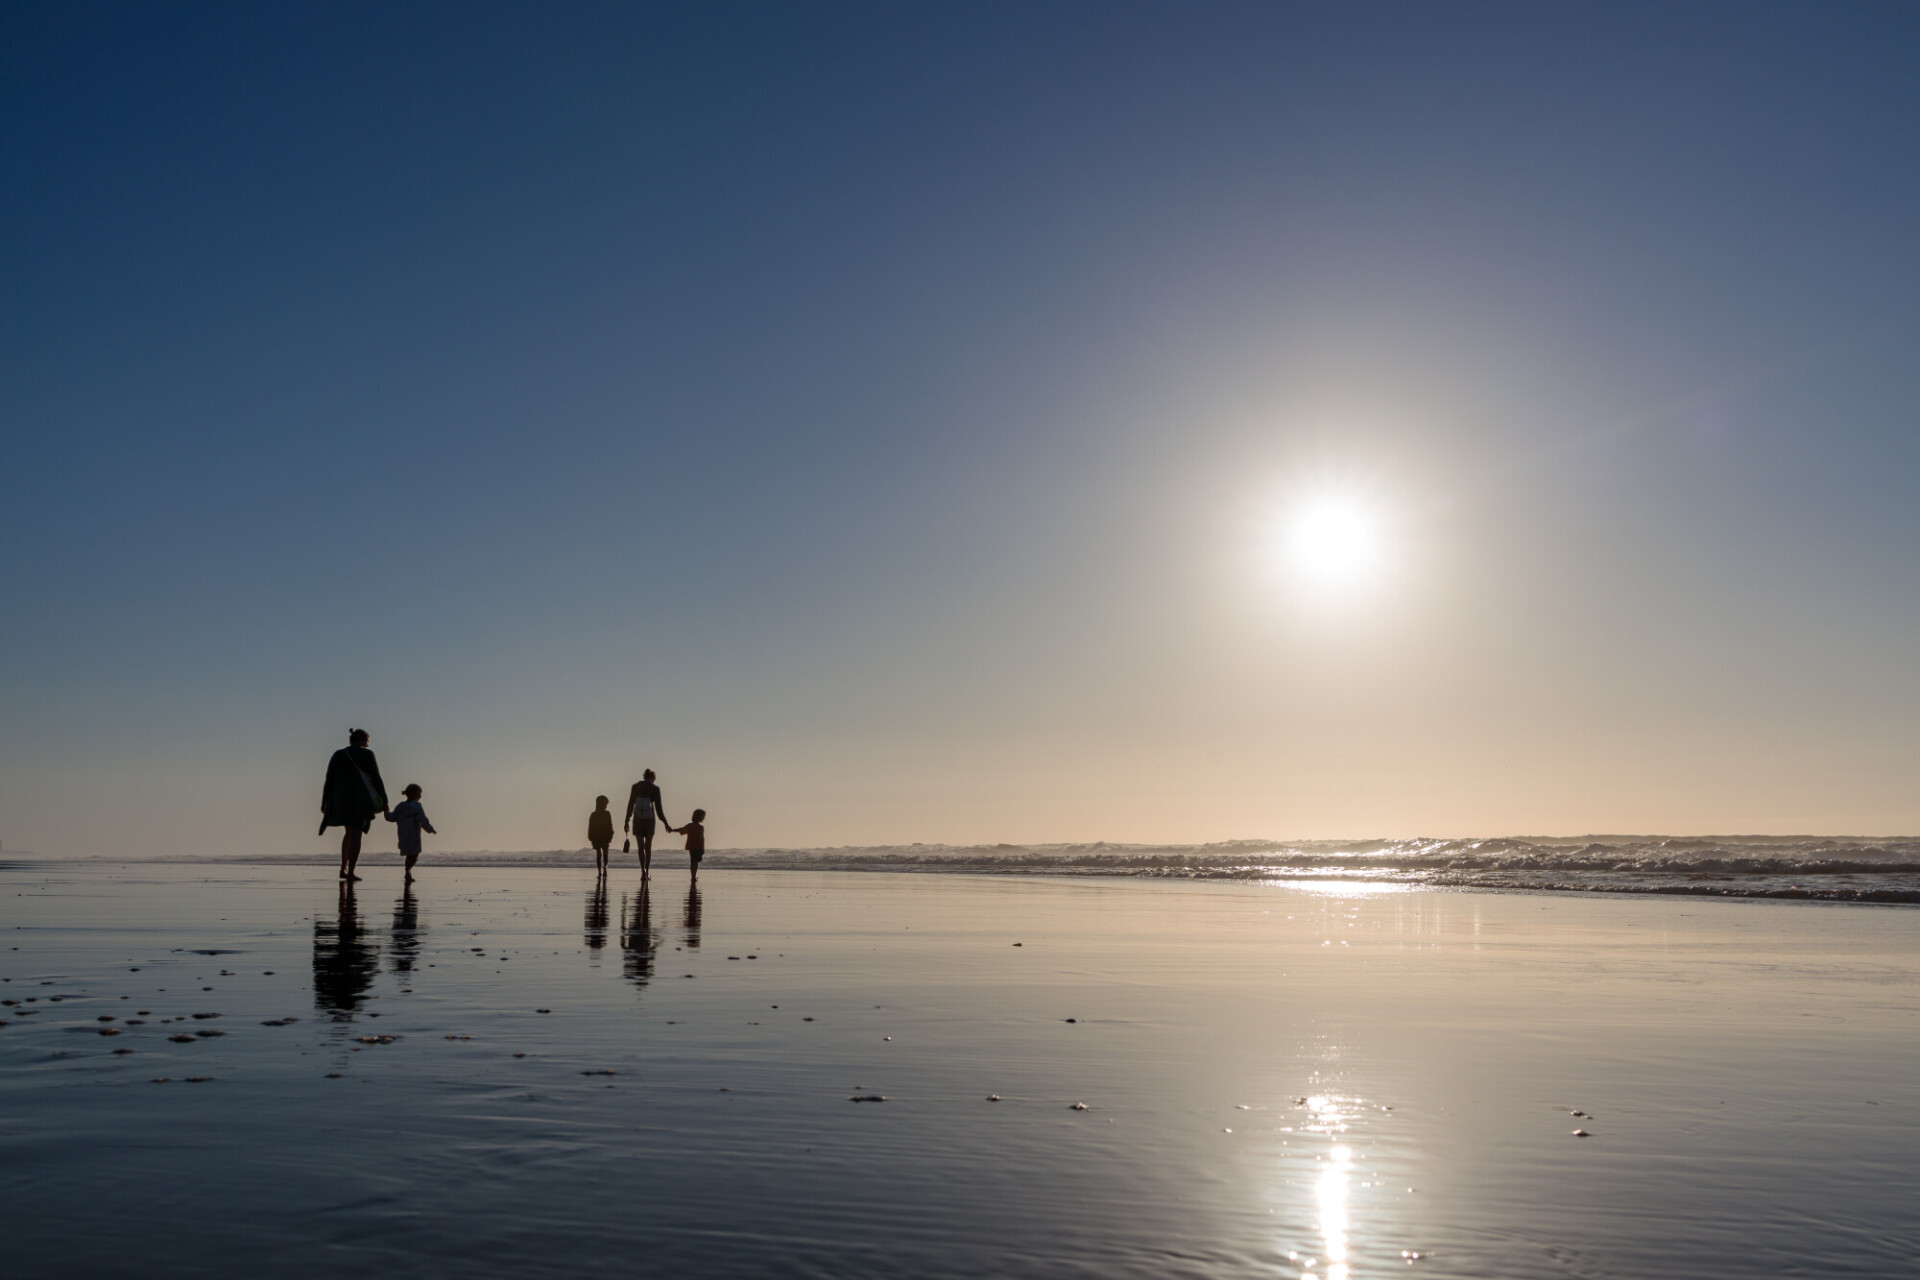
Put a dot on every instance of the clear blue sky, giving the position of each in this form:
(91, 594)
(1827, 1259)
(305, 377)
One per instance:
(870, 416)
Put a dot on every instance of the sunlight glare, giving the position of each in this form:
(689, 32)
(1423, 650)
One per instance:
(1335, 541)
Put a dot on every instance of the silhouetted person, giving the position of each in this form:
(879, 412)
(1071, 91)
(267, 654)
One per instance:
(343, 965)
(353, 795)
(600, 832)
(637, 938)
(696, 833)
(597, 913)
(406, 929)
(412, 820)
(691, 922)
(643, 806)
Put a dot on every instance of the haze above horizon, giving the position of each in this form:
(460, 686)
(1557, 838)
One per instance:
(962, 425)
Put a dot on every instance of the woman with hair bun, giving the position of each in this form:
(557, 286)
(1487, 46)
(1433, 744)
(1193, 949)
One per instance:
(353, 795)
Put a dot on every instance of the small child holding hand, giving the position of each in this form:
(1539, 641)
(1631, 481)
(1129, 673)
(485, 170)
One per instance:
(600, 832)
(696, 834)
(412, 820)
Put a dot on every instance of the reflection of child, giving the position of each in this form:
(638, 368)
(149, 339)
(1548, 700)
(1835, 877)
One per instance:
(696, 834)
(412, 820)
(600, 831)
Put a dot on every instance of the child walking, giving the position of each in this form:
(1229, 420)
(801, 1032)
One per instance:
(412, 820)
(696, 834)
(600, 832)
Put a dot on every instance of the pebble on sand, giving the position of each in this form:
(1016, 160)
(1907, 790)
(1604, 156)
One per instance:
(543, 1011)
(120, 1052)
(993, 1097)
(181, 1039)
(109, 1031)
(868, 1097)
(1070, 1019)
(198, 1079)
(1078, 1106)
(363, 1039)
(1581, 1133)
(208, 1035)
(199, 1016)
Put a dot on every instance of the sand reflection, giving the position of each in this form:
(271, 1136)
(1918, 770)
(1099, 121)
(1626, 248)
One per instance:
(1330, 1191)
(343, 964)
(638, 942)
(691, 921)
(406, 931)
(596, 921)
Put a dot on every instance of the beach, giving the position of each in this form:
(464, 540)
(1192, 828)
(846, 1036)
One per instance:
(506, 1072)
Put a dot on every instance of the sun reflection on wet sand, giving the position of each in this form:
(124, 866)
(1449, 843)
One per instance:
(1330, 1192)
(1332, 1197)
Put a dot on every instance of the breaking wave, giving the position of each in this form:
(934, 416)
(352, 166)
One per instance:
(1841, 869)
(1834, 868)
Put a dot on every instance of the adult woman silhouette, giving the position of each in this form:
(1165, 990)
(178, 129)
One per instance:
(353, 795)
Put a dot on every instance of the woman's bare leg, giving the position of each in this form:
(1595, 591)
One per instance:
(350, 852)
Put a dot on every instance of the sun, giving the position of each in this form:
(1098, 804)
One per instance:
(1334, 541)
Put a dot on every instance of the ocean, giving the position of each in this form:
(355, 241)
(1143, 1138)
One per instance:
(1829, 868)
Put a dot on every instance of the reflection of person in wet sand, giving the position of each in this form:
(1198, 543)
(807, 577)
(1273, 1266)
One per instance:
(637, 939)
(406, 929)
(691, 921)
(352, 796)
(643, 806)
(343, 964)
(597, 914)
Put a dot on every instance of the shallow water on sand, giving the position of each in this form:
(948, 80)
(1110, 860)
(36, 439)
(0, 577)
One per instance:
(1279, 1080)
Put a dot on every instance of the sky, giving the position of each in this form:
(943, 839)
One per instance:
(901, 422)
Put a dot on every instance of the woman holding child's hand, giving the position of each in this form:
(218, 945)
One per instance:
(353, 794)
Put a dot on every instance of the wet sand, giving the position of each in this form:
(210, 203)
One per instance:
(1278, 1080)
